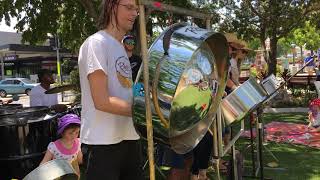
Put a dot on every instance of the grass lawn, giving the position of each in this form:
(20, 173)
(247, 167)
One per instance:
(296, 162)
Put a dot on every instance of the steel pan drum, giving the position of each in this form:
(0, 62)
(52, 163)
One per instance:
(188, 71)
(6, 108)
(24, 137)
(270, 84)
(55, 169)
(242, 100)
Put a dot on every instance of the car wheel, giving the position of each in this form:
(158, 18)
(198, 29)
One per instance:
(3, 93)
(28, 91)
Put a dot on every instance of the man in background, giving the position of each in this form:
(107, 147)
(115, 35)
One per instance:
(135, 61)
(310, 67)
(38, 97)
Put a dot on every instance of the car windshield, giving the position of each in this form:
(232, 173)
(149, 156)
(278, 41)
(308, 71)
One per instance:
(27, 81)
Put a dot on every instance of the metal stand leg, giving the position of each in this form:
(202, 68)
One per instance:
(215, 132)
(234, 163)
(251, 144)
(260, 150)
(222, 149)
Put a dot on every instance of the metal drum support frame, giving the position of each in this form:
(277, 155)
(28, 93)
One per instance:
(219, 150)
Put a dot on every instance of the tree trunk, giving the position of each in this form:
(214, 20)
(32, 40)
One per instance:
(272, 64)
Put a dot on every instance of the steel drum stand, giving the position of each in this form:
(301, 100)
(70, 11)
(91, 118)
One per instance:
(218, 147)
(259, 135)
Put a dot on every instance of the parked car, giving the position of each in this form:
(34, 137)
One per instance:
(16, 86)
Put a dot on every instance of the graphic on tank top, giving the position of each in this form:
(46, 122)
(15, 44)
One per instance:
(123, 69)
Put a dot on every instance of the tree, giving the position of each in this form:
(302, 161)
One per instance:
(74, 20)
(307, 36)
(273, 19)
(68, 65)
(284, 46)
(311, 35)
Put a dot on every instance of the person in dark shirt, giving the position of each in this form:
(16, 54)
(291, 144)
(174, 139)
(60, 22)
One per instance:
(135, 61)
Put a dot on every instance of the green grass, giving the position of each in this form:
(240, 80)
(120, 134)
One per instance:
(297, 162)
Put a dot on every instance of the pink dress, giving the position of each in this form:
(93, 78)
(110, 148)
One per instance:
(315, 120)
(60, 152)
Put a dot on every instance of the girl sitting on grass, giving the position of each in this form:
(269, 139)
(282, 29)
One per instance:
(314, 114)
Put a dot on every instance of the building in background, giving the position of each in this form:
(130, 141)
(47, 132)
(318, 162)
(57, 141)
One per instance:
(24, 60)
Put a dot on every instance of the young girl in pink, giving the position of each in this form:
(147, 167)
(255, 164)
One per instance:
(68, 146)
(314, 114)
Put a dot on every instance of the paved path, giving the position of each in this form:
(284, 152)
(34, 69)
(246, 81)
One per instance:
(285, 110)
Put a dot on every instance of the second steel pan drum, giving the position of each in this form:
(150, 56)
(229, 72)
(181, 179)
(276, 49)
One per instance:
(24, 137)
(4, 109)
(188, 71)
(242, 100)
(53, 170)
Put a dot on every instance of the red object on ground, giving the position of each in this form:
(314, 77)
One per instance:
(290, 133)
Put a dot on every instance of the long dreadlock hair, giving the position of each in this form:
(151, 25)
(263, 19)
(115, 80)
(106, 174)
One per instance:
(108, 8)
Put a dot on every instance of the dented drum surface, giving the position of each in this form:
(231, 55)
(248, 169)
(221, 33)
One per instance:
(188, 71)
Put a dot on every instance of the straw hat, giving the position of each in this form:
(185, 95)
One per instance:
(233, 40)
(245, 46)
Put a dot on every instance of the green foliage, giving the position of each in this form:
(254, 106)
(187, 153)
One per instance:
(284, 46)
(75, 79)
(269, 18)
(308, 35)
(75, 20)
(68, 65)
(253, 44)
(253, 72)
(37, 19)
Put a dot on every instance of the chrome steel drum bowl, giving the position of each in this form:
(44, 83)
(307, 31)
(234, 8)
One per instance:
(24, 138)
(242, 100)
(188, 71)
(53, 170)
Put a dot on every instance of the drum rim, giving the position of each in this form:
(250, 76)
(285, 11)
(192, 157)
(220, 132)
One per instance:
(16, 111)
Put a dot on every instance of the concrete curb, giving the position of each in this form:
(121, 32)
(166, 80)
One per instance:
(286, 110)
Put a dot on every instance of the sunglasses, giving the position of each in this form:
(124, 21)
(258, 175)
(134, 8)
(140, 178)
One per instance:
(129, 42)
(244, 52)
